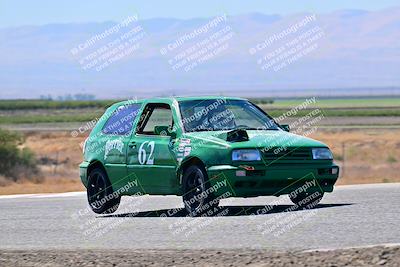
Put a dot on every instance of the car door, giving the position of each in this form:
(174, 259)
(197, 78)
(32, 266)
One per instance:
(149, 156)
(116, 134)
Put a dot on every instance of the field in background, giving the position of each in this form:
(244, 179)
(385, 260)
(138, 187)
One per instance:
(341, 107)
(47, 111)
(340, 102)
(363, 134)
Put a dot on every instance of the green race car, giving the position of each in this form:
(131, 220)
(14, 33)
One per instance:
(203, 149)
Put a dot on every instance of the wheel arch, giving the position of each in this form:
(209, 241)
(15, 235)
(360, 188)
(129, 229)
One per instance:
(95, 164)
(193, 160)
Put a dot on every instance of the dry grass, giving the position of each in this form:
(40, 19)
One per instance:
(47, 187)
(366, 155)
(63, 155)
(370, 156)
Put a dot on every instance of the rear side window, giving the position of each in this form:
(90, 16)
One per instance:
(121, 120)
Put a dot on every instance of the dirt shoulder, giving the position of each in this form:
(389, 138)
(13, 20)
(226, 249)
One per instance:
(374, 256)
(46, 187)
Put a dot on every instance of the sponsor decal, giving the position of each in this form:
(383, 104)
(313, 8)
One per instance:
(184, 148)
(113, 144)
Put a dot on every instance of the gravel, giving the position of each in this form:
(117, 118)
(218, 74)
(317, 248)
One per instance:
(369, 256)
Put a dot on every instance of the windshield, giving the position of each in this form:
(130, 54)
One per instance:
(222, 114)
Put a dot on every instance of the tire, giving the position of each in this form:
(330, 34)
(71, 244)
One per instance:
(100, 193)
(303, 203)
(195, 198)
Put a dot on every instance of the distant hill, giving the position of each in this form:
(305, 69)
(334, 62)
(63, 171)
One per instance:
(357, 49)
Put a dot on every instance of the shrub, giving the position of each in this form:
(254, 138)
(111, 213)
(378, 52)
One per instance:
(338, 157)
(391, 159)
(261, 101)
(16, 163)
(4, 181)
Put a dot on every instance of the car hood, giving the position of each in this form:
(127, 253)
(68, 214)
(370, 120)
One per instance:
(259, 139)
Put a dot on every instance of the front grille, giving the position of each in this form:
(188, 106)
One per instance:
(245, 184)
(255, 173)
(290, 153)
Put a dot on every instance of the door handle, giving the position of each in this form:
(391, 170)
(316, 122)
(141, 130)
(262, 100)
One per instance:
(132, 144)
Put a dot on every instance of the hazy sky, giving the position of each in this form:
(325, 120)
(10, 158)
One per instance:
(37, 12)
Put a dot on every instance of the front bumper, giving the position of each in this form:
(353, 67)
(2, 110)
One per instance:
(272, 180)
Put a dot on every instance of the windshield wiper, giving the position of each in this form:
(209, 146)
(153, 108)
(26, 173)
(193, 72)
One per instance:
(201, 130)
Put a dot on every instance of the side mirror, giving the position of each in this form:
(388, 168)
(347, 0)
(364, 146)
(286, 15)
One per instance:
(172, 133)
(165, 131)
(285, 127)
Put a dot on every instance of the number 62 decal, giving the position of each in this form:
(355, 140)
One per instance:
(142, 153)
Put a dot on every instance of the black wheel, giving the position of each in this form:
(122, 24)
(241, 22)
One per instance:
(306, 200)
(196, 196)
(100, 194)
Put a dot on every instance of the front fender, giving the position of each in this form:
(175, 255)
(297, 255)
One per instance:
(83, 172)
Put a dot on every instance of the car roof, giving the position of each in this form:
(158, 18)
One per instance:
(185, 98)
(177, 98)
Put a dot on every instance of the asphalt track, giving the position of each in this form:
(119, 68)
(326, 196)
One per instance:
(351, 216)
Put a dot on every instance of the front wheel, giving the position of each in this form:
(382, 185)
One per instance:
(306, 200)
(197, 197)
(100, 194)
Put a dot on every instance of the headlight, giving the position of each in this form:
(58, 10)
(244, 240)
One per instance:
(321, 153)
(246, 155)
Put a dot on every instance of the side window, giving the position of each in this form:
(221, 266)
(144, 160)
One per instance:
(121, 121)
(155, 115)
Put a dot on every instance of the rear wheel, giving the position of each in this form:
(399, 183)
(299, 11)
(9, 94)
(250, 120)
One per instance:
(196, 196)
(100, 194)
